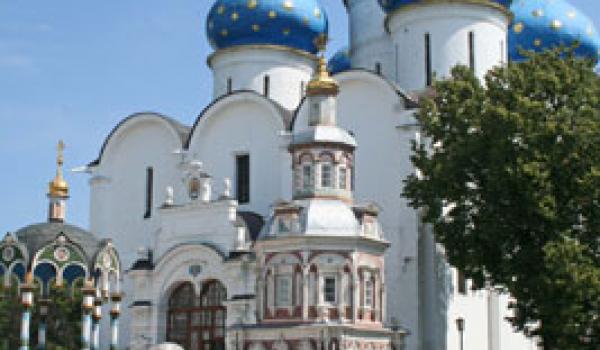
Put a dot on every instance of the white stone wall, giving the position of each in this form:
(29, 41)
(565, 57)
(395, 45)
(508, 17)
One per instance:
(449, 26)
(247, 66)
(117, 188)
(245, 123)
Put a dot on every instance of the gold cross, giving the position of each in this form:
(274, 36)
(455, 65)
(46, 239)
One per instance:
(60, 149)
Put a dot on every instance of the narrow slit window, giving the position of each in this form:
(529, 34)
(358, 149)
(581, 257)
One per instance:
(378, 68)
(266, 85)
(461, 282)
(242, 164)
(472, 51)
(302, 87)
(229, 85)
(428, 71)
(149, 192)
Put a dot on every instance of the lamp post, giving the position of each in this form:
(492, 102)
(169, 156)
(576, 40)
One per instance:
(460, 325)
(27, 302)
(114, 320)
(43, 321)
(96, 318)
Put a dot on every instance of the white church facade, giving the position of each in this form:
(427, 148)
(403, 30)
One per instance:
(276, 220)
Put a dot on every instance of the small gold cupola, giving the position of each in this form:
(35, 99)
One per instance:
(322, 84)
(59, 187)
(58, 190)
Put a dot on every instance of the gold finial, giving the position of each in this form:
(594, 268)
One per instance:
(59, 187)
(321, 83)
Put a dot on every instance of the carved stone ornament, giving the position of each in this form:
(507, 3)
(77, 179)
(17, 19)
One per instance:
(62, 254)
(195, 270)
(8, 254)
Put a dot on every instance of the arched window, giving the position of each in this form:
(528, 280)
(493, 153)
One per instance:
(326, 175)
(266, 85)
(472, 50)
(307, 177)
(197, 322)
(194, 190)
(428, 69)
(229, 85)
(342, 178)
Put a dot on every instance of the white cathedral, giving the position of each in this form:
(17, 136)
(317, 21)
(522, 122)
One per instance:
(276, 221)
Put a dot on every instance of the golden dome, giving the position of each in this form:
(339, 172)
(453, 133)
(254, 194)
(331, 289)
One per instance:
(58, 187)
(322, 83)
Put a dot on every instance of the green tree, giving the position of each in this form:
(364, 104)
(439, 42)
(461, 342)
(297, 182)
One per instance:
(510, 182)
(10, 316)
(63, 320)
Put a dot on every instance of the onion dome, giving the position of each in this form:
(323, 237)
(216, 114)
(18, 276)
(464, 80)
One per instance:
(339, 62)
(289, 23)
(392, 5)
(543, 24)
(37, 236)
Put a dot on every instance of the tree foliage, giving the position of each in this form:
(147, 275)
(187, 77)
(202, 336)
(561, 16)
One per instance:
(63, 320)
(510, 182)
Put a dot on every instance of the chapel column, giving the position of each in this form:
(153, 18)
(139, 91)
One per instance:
(114, 320)
(305, 289)
(355, 295)
(96, 318)
(27, 302)
(86, 318)
(43, 322)
(341, 295)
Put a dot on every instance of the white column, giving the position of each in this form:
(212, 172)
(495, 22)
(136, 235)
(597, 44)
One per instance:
(355, 295)
(376, 295)
(271, 291)
(341, 291)
(260, 304)
(305, 290)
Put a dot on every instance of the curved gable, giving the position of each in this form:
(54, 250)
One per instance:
(281, 117)
(177, 130)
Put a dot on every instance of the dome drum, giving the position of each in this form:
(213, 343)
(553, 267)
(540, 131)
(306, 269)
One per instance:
(434, 39)
(277, 72)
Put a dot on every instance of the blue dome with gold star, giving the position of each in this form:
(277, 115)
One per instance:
(542, 24)
(339, 62)
(392, 5)
(290, 23)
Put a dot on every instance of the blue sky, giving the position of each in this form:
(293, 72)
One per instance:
(73, 69)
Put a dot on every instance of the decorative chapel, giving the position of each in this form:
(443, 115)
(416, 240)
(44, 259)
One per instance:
(275, 221)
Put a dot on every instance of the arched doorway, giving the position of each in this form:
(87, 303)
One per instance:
(197, 322)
